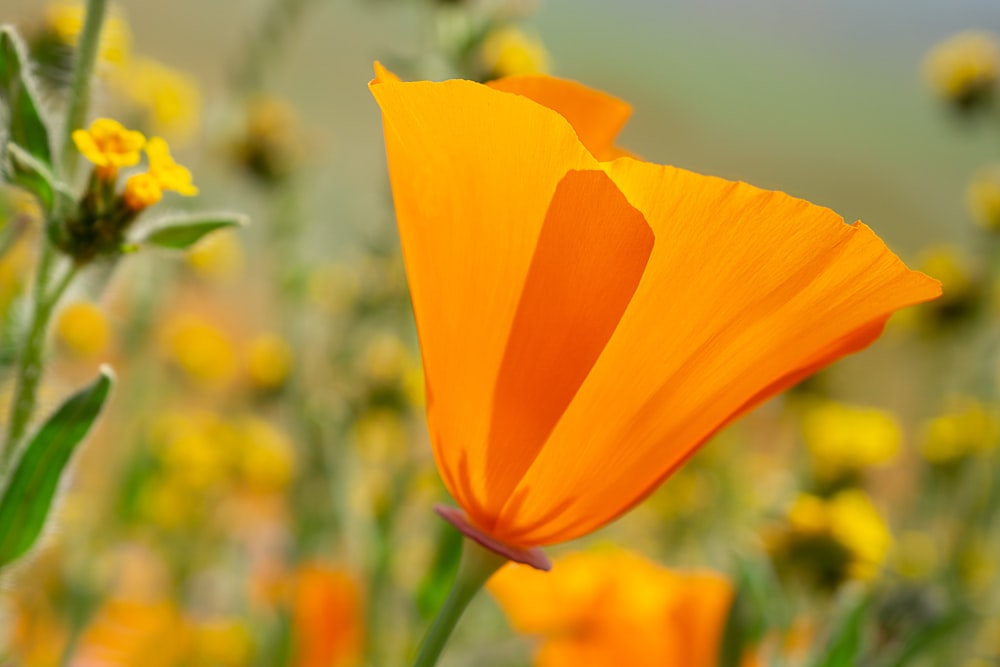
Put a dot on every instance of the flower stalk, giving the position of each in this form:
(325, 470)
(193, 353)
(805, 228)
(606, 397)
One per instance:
(476, 566)
(44, 297)
(83, 70)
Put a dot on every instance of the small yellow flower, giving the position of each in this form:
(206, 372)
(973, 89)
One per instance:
(82, 329)
(109, 146)
(141, 191)
(169, 98)
(508, 51)
(65, 20)
(983, 197)
(266, 456)
(380, 435)
(857, 525)
(963, 68)
(972, 428)
(268, 361)
(168, 174)
(272, 145)
(845, 439)
(201, 349)
(385, 358)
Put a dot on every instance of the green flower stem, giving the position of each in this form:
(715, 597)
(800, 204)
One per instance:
(475, 567)
(29, 370)
(83, 70)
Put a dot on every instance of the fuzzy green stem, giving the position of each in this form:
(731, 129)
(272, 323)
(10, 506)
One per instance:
(475, 567)
(83, 70)
(29, 369)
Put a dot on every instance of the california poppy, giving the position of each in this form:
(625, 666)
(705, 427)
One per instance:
(587, 320)
(613, 607)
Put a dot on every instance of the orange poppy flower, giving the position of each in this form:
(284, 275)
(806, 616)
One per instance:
(586, 323)
(612, 607)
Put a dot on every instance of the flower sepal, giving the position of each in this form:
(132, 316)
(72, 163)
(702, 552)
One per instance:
(533, 556)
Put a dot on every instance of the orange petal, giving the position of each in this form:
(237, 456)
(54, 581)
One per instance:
(590, 257)
(746, 291)
(596, 116)
(473, 171)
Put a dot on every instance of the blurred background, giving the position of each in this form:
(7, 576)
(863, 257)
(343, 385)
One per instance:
(259, 492)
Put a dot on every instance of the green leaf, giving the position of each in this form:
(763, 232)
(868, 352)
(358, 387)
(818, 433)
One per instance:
(23, 169)
(180, 233)
(844, 646)
(28, 498)
(19, 94)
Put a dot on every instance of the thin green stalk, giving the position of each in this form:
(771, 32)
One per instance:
(83, 70)
(475, 567)
(29, 370)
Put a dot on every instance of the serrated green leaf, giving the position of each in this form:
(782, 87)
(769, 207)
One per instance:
(182, 233)
(28, 497)
(844, 646)
(19, 94)
(25, 170)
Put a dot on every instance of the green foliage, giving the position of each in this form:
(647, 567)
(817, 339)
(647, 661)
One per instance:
(19, 94)
(180, 233)
(845, 644)
(28, 497)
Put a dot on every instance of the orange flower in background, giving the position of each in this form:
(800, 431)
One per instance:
(586, 325)
(326, 618)
(616, 608)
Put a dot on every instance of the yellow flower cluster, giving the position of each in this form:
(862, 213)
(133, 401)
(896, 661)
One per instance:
(201, 455)
(844, 533)
(200, 349)
(971, 429)
(963, 69)
(110, 146)
(846, 439)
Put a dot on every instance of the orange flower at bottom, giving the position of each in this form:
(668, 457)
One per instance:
(614, 608)
(587, 323)
(326, 618)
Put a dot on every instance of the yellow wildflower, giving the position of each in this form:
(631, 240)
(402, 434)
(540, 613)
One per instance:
(82, 329)
(168, 174)
(508, 51)
(972, 428)
(109, 146)
(857, 525)
(271, 146)
(169, 97)
(141, 191)
(266, 456)
(832, 539)
(959, 281)
(963, 68)
(384, 358)
(268, 361)
(845, 439)
(217, 257)
(983, 197)
(65, 20)
(199, 348)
